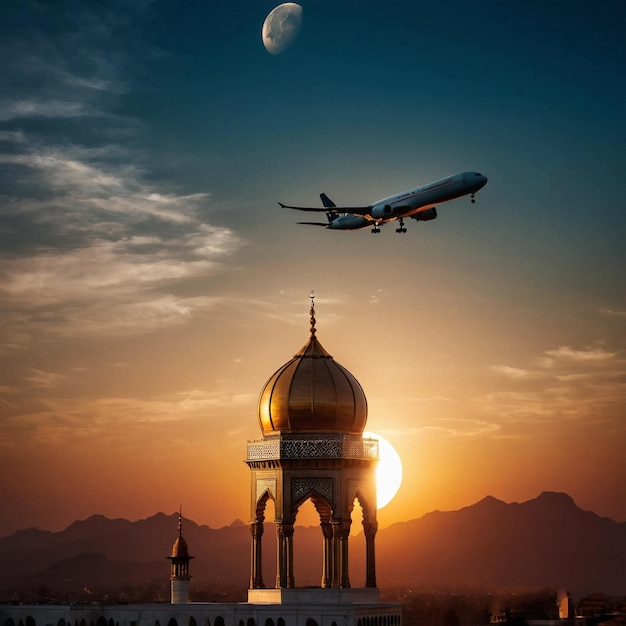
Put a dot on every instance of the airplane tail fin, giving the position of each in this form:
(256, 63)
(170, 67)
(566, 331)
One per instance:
(327, 202)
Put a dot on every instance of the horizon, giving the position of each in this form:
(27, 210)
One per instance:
(309, 522)
(150, 283)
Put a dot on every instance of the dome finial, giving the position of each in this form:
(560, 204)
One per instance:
(312, 311)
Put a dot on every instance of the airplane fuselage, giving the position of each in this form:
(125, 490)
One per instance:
(408, 203)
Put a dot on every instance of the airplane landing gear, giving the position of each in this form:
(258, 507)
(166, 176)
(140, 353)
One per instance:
(401, 228)
(472, 197)
(375, 229)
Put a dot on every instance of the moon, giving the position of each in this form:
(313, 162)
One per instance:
(388, 472)
(281, 27)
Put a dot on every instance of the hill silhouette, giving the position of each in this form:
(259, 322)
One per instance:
(547, 541)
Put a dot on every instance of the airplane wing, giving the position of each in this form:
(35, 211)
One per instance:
(357, 210)
(324, 224)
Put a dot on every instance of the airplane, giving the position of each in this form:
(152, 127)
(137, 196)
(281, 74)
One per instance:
(418, 204)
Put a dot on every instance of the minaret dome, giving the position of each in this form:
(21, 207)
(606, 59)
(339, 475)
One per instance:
(312, 393)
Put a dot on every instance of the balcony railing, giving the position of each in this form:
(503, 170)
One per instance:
(313, 447)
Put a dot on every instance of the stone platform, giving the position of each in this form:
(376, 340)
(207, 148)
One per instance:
(314, 595)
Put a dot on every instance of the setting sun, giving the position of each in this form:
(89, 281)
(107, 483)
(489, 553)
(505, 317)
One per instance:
(388, 472)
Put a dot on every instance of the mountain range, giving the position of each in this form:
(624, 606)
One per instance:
(544, 542)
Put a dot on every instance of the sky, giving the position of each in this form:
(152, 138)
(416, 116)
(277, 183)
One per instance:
(150, 284)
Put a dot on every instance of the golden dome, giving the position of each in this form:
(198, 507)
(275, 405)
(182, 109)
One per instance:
(312, 393)
(180, 549)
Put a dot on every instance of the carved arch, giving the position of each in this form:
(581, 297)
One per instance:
(369, 508)
(322, 505)
(261, 504)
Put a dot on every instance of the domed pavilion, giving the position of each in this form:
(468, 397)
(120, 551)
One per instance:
(312, 412)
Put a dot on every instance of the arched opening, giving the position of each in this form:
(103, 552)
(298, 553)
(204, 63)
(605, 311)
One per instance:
(30, 621)
(219, 621)
(172, 622)
(312, 542)
(9, 622)
(308, 545)
(269, 542)
(61, 622)
(311, 622)
(356, 543)
(269, 622)
(192, 621)
(281, 622)
(101, 621)
(251, 622)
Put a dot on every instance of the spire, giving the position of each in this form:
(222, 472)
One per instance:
(312, 312)
(180, 521)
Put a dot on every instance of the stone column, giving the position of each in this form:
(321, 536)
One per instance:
(341, 532)
(370, 529)
(327, 560)
(284, 558)
(288, 538)
(256, 570)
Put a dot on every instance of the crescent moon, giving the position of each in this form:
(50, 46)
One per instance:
(281, 27)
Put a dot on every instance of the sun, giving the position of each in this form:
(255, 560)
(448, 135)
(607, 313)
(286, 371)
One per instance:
(388, 472)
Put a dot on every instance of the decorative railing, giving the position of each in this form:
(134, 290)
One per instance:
(325, 446)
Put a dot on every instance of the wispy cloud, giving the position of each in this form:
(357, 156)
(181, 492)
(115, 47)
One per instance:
(91, 245)
(612, 313)
(582, 385)
(46, 380)
(19, 109)
(58, 420)
(510, 372)
(584, 355)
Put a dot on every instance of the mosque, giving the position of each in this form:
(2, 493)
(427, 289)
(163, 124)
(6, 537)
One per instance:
(312, 413)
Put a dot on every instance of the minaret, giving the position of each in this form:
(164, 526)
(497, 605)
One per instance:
(179, 571)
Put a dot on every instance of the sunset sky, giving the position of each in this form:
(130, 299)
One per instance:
(150, 283)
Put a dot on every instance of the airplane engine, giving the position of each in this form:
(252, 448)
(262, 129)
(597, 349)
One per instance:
(381, 212)
(425, 216)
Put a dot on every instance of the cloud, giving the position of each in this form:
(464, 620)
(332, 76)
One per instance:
(91, 245)
(46, 380)
(510, 372)
(17, 109)
(584, 385)
(611, 313)
(566, 353)
(58, 420)
(111, 287)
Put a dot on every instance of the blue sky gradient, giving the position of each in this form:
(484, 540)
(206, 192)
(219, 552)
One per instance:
(150, 284)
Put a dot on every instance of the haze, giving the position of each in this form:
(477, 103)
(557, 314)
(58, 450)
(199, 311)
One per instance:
(150, 284)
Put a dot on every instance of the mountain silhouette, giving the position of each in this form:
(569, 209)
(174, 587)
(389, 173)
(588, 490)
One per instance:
(547, 541)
